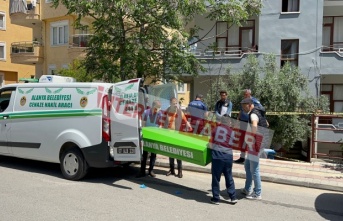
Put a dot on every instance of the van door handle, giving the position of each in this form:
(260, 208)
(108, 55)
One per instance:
(5, 116)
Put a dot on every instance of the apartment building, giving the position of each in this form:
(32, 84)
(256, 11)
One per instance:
(307, 33)
(10, 71)
(54, 41)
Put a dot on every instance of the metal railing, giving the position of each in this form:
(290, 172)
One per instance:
(80, 40)
(24, 46)
(227, 52)
(329, 133)
(336, 47)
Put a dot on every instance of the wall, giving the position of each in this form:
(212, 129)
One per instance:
(305, 26)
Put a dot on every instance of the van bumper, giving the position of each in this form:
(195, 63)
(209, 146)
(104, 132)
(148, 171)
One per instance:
(98, 156)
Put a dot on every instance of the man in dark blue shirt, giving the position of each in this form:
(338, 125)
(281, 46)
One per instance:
(222, 157)
(198, 112)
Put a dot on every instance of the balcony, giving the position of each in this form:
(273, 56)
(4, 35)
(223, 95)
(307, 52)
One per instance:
(25, 12)
(222, 53)
(336, 48)
(79, 43)
(27, 52)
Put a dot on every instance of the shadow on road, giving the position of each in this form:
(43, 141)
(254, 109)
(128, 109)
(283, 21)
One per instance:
(330, 206)
(32, 166)
(112, 175)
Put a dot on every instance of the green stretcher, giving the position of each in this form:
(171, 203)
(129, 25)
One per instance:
(179, 145)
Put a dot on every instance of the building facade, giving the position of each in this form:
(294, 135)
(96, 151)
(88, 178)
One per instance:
(11, 72)
(306, 33)
(53, 41)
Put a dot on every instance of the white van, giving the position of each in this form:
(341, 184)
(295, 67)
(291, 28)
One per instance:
(78, 125)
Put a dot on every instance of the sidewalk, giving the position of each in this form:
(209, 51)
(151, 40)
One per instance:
(319, 175)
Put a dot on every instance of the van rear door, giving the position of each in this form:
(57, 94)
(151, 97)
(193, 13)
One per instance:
(124, 116)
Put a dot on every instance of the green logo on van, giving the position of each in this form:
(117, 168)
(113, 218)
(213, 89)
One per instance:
(53, 92)
(84, 92)
(25, 92)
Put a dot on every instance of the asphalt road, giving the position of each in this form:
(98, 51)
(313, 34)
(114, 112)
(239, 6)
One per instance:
(32, 190)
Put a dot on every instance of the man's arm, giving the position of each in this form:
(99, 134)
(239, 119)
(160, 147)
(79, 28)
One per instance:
(144, 118)
(216, 109)
(229, 109)
(205, 111)
(254, 123)
(185, 121)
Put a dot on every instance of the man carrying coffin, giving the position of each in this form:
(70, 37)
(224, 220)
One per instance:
(222, 159)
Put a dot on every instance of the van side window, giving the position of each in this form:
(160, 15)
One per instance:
(5, 97)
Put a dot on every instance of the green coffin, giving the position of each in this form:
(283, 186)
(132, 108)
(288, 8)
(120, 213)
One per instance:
(184, 146)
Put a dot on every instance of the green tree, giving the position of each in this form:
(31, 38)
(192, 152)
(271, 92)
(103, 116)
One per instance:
(77, 71)
(147, 38)
(279, 90)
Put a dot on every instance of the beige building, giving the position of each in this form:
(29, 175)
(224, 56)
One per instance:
(39, 38)
(10, 34)
(48, 41)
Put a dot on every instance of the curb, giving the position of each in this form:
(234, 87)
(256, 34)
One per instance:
(263, 178)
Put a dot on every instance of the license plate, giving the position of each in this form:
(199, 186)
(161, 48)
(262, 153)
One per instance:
(126, 150)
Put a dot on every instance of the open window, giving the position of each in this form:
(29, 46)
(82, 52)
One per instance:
(290, 5)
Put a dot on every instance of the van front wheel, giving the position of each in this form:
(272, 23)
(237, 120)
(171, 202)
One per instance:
(73, 164)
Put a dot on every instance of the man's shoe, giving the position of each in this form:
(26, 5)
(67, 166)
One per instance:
(233, 201)
(254, 196)
(140, 175)
(152, 174)
(170, 172)
(214, 201)
(179, 174)
(240, 160)
(245, 192)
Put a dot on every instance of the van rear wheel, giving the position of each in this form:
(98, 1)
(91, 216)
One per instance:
(73, 164)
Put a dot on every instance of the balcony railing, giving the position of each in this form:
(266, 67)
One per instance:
(336, 48)
(80, 40)
(226, 53)
(24, 46)
(27, 52)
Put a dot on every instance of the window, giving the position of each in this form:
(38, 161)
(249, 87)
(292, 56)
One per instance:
(2, 79)
(2, 20)
(221, 35)
(5, 98)
(181, 88)
(235, 38)
(332, 33)
(289, 52)
(59, 32)
(2, 51)
(290, 5)
(52, 70)
(334, 92)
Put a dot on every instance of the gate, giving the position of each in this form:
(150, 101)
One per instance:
(327, 137)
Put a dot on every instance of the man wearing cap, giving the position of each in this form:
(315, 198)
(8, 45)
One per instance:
(223, 106)
(198, 112)
(242, 116)
(256, 121)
